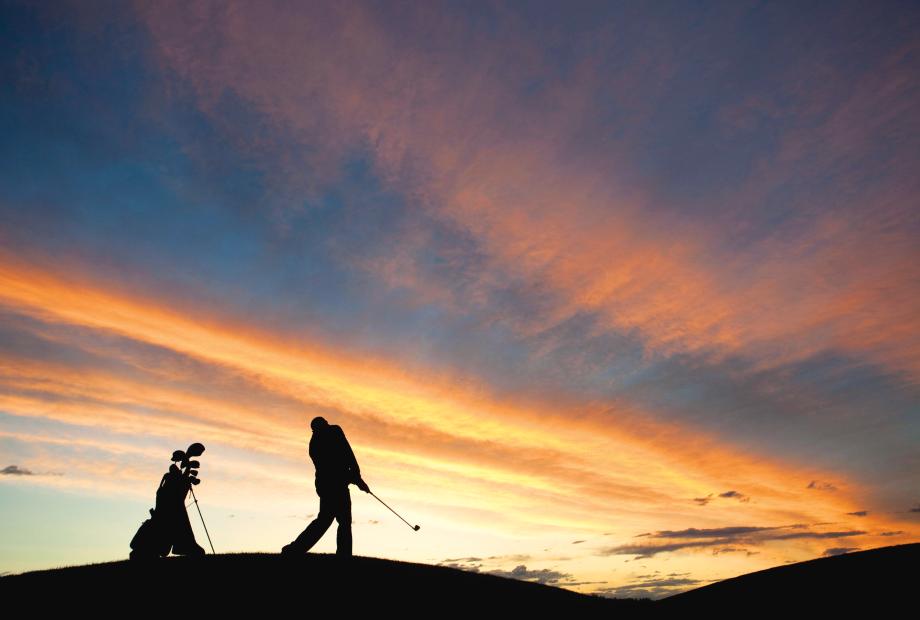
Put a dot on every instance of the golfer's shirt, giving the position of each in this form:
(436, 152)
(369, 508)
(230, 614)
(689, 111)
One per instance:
(333, 458)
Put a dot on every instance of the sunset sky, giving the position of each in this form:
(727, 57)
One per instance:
(621, 296)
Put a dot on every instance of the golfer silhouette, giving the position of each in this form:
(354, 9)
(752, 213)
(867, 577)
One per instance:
(336, 468)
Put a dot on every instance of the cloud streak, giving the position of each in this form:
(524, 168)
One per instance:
(540, 212)
(720, 538)
(653, 588)
(397, 420)
(15, 470)
(543, 575)
(839, 551)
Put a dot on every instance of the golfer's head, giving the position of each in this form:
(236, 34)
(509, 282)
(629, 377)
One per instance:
(318, 423)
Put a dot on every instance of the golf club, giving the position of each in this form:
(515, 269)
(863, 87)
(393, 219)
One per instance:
(191, 473)
(202, 521)
(414, 527)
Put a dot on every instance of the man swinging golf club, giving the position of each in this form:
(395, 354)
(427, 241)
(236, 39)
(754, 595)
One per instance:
(336, 468)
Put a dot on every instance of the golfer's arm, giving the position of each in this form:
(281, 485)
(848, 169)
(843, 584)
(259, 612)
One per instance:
(352, 461)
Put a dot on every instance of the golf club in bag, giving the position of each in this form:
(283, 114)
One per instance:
(168, 527)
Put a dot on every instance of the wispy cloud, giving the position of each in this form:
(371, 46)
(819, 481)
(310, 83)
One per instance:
(520, 571)
(458, 561)
(734, 550)
(375, 398)
(15, 470)
(543, 575)
(703, 501)
(547, 215)
(839, 551)
(654, 588)
(723, 538)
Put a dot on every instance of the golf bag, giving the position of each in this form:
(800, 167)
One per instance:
(168, 527)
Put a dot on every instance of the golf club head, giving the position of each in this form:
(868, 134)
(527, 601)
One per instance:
(178, 455)
(196, 449)
(416, 528)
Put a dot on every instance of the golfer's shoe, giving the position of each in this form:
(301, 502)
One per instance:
(290, 550)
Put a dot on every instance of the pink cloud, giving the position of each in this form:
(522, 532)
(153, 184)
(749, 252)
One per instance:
(440, 109)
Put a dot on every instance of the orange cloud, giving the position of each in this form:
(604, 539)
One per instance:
(444, 440)
(557, 218)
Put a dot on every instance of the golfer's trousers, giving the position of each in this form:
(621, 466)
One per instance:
(334, 505)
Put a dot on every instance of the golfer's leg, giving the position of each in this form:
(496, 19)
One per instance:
(316, 529)
(343, 516)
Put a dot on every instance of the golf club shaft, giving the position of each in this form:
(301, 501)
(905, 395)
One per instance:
(391, 510)
(202, 521)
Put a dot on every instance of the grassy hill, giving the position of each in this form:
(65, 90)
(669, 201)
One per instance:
(313, 582)
(886, 576)
(320, 583)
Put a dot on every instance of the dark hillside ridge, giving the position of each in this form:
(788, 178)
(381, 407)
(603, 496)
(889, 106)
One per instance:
(880, 581)
(313, 583)
(887, 576)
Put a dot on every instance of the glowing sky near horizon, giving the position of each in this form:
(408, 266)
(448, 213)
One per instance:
(622, 297)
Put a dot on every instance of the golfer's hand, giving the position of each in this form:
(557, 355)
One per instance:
(363, 486)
